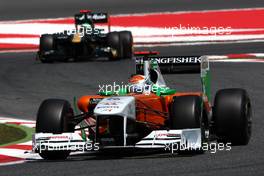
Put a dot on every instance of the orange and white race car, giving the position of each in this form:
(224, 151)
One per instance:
(145, 114)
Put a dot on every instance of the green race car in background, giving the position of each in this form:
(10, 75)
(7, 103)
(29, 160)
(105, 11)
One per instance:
(85, 41)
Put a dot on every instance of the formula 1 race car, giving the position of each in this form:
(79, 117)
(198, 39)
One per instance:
(85, 41)
(146, 114)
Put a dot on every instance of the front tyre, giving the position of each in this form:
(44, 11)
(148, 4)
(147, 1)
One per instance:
(186, 113)
(54, 117)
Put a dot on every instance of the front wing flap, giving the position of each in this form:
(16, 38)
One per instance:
(60, 142)
(184, 139)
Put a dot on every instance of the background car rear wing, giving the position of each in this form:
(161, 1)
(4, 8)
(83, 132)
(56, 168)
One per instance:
(86, 16)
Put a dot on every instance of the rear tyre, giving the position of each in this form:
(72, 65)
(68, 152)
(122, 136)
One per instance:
(46, 43)
(54, 117)
(127, 43)
(232, 116)
(186, 113)
(114, 42)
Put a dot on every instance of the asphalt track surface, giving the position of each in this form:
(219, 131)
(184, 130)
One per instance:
(24, 83)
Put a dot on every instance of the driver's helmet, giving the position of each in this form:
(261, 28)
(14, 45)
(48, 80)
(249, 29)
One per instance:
(138, 84)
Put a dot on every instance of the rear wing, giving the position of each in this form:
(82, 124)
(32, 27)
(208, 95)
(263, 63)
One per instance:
(145, 64)
(170, 64)
(86, 16)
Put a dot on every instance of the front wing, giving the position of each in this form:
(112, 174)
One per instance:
(185, 139)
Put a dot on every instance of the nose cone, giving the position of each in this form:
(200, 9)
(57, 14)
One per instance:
(86, 101)
(121, 106)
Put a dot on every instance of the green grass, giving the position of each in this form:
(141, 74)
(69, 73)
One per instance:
(12, 134)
